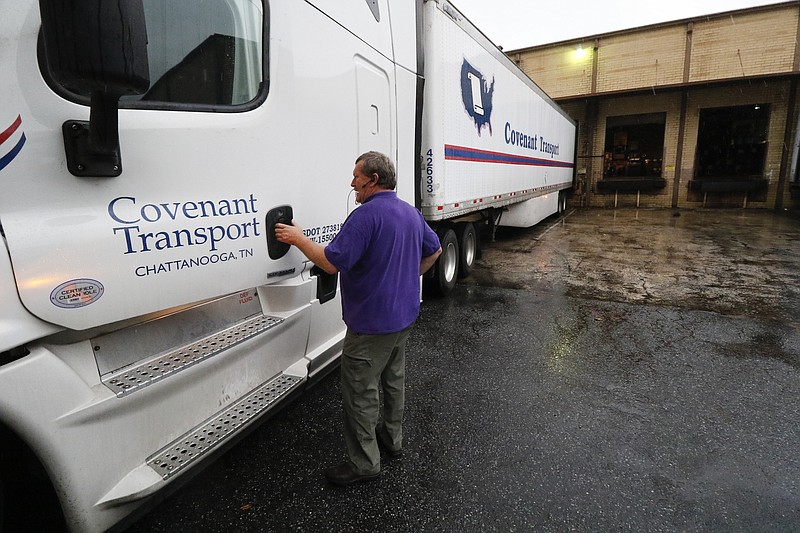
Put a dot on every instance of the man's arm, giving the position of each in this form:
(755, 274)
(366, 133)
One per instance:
(427, 262)
(314, 252)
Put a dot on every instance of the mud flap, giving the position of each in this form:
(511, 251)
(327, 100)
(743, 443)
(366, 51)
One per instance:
(326, 284)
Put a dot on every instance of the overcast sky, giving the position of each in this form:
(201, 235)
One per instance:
(514, 24)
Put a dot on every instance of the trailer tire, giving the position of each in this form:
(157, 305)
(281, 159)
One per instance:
(445, 270)
(468, 248)
(562, 202)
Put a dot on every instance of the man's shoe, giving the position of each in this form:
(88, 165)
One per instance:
(344, 474)
(384, 445)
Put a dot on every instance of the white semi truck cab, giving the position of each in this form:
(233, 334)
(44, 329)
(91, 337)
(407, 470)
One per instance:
(147, 147)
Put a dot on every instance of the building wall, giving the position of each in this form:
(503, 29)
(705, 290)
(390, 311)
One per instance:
(560, 71)
(651, 59)
(759, 43)
(738, 58)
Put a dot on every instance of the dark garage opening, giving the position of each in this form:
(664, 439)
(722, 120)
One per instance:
(732, 149)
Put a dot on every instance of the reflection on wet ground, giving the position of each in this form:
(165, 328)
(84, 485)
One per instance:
(728, 261)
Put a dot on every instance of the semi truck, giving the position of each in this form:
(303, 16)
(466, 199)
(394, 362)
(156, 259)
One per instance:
(149, 318)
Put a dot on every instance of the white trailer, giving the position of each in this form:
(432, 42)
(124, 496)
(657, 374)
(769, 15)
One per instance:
(148, 317)
(495, 150)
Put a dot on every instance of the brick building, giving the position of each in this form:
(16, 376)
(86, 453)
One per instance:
(695, 112)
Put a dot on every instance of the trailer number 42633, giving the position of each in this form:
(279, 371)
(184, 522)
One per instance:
(429, 171)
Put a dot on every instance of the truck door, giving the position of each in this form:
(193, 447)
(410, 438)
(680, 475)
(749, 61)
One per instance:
(244, 113)
(184, 221)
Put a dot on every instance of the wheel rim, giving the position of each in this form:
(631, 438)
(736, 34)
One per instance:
(469, 249)
(450, 262)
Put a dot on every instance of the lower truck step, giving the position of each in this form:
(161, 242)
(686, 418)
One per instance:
(206, 437)
(218, 429)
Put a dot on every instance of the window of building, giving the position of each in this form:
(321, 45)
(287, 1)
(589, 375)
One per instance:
(732, 142)
(634, 146)
(201, 54)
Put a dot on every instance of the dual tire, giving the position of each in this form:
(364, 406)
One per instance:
(459, 251)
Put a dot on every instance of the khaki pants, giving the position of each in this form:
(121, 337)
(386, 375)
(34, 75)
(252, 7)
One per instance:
(367, 361)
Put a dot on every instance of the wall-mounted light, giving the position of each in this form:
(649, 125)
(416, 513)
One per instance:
(581, 53)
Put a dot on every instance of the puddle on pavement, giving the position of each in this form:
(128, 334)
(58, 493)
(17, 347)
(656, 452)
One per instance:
(727, 261)
(767, 345)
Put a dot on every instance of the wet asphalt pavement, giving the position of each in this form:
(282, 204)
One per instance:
(623, 370)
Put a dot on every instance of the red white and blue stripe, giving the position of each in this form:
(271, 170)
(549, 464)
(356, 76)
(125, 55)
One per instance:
(10, 143)
(462, 153)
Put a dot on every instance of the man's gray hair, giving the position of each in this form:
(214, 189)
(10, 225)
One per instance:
(380, 164)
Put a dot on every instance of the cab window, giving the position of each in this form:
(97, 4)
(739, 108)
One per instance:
(201, 54)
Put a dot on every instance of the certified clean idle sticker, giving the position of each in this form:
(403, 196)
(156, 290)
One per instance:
(77, 293)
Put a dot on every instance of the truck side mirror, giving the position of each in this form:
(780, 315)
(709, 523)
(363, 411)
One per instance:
(99, 48)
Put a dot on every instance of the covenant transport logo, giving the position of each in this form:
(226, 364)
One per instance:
(476, 93)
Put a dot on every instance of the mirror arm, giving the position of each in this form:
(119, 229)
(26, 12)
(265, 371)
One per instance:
(92, 148)
(104, 122)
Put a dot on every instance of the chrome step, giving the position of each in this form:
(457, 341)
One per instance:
(207, 436)
(134, 378)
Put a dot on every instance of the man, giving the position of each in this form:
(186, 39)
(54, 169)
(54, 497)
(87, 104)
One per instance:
(381, 251)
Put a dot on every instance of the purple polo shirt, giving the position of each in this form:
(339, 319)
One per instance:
(378, 252)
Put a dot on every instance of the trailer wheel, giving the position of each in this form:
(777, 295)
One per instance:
(446, 267)
(468, 248)
(562, 202)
